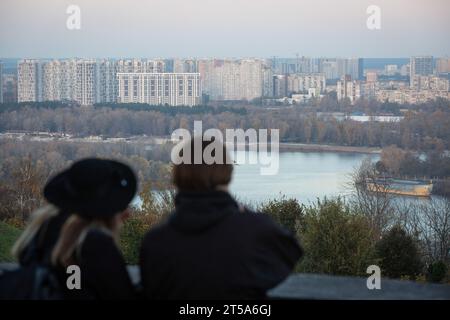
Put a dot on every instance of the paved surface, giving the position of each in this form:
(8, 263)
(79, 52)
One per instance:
(313, 286)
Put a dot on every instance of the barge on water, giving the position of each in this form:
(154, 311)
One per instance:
(414, 188)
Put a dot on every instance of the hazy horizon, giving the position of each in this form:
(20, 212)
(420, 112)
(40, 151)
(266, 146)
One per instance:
(223, 28)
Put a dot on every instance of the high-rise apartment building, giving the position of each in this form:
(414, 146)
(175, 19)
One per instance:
(173, 89)
(51, 80)
(67, 77)
(420, 66)
(443, 65)
(280, 87)
(302, 82)
(348, 88)
(9, 88)
(141, 65)
(371, 76)
(433, 83)
(28, 80)
(107, 81)
(267, 75)
(329, 68)
(85, 82)
(234, 79)
(185, 66)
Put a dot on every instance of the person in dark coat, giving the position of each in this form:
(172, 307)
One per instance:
(211, 247)
(98, 193)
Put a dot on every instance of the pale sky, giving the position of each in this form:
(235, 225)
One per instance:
(223, 28)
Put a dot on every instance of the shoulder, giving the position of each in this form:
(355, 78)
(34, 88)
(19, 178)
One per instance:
(157, 235)
(258, 220)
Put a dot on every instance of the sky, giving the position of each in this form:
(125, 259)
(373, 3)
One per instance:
(223, 28)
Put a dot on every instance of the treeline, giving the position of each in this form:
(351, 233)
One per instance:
(421, 130)
(410, 164)
(201, 109)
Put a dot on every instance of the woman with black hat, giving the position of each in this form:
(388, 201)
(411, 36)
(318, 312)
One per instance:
(87, 204)
(98, 193)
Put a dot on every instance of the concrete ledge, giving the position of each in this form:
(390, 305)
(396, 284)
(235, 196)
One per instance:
(325, 287)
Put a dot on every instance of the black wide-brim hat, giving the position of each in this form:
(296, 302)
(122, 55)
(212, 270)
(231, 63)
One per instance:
(93, 188)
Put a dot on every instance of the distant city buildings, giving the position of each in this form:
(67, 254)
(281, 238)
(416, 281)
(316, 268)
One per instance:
(244, 79)
(295, 80)
(443, 66)
(302, 82)
(348, 88)
(420, 66)
(28, 80)
(173, 89)
(9, 88)
(371, 76)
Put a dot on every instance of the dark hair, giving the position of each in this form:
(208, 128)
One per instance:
(202, 176)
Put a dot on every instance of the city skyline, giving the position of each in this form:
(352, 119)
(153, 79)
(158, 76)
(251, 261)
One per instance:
(222, 28)
(192, 82)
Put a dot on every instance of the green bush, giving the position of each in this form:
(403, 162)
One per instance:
(286, 212)
(336, 240)
(437, 271)
(133, 232)
(399, 254)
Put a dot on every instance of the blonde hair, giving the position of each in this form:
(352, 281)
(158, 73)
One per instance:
(73, 233)
(38, 218)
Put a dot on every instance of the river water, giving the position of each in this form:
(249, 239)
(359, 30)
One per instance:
(305, 176)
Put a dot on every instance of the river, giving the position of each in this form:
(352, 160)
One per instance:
(305, 176)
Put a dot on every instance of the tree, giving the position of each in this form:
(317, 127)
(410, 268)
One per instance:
(286, 212)
(437, 271)
(336, 240)
(370, 197)
(399, 254)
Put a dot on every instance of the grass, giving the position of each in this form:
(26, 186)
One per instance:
(8, 236)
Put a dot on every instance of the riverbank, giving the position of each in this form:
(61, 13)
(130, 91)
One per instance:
(289, 146)
(143, 139)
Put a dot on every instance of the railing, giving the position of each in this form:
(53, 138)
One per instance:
(325, 287)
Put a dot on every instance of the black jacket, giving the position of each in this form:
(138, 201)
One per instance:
(104, 275)
(209, 249)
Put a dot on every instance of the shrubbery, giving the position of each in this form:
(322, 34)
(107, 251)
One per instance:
(399, 254)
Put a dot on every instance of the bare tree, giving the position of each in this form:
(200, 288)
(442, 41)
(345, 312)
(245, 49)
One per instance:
(370, 196)
(430, 222)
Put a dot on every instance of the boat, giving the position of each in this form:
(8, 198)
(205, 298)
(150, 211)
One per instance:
(415, 188)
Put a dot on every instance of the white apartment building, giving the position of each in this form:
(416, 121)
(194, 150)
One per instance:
(107, 81)
(85, 82)
(301, 82)
(235, 79)
(421, 66)
(70, 80)
(173, 89)
(141, 65)
(28, 80)
(429, 83)
(348, 88)
(51, 80)
(185, 66)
